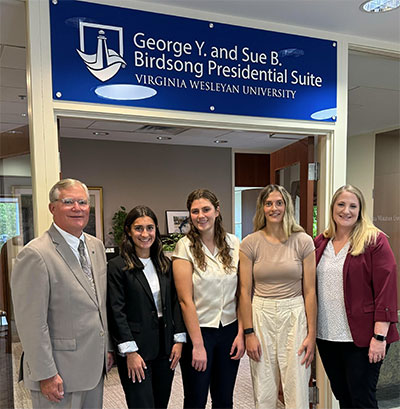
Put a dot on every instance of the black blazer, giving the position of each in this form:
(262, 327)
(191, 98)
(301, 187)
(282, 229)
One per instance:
(132, 311)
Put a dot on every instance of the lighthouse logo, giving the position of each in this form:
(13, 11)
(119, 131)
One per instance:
(105, 62)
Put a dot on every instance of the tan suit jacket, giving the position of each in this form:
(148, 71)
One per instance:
(61, 324)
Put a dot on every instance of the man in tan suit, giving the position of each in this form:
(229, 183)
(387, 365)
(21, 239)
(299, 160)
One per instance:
(59, 293)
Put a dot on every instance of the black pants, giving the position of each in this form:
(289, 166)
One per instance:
(220, 375)
(154, 391)
(353, 378)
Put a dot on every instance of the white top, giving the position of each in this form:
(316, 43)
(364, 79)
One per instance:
(152, 278)
(154, 283)
(332, 318)
(214, 290)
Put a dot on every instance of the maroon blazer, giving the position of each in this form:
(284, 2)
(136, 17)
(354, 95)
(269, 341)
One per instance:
(370, 289)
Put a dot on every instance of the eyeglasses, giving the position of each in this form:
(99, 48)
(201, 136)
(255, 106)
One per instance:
(70, 202)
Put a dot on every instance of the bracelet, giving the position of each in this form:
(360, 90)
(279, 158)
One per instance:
(248, 331)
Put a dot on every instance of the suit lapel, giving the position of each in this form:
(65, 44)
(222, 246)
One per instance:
(145, 284)
(71, 261)
(163, 287)
(94, 261)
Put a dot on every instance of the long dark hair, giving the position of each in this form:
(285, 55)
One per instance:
(128, 251)
(219, 232)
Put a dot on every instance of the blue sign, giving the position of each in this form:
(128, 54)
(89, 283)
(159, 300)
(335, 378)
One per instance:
(111, 55)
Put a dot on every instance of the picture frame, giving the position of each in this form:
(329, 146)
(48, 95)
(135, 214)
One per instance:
(177, 221)
(10, 209)
(25, 198)
(95, 226)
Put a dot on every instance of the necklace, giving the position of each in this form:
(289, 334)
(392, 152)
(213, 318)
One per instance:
(145, 261)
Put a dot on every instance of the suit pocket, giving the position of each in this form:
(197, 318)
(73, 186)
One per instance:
(135, 326)
(63, 344)
(369, 308)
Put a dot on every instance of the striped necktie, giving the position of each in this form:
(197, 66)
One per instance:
(85, 264)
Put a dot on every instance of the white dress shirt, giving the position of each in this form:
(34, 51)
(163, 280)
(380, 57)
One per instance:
(73, 242)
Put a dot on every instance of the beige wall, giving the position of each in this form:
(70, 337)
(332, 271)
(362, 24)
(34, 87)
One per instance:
(387, 187)
(159, 176)
(387, 218)
(360, 166)
(16, 166)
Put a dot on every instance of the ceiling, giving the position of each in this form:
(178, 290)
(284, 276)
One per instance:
(374, 81)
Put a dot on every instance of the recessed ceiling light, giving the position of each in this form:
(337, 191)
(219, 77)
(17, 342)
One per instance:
(100, 133)
(15, 132)
(163, 138)
(220, 141)
(379, 6)
(23, 114)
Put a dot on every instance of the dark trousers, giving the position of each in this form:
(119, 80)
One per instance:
(154, 391)
(220, 375)
(353, 378)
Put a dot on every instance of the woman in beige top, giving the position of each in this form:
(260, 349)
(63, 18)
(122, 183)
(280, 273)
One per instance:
(277, 264)
(205, 266)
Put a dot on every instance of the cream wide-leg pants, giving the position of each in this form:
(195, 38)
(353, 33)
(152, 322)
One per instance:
(281, 326)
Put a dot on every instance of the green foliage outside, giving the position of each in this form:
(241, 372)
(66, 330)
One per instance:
(314, 225)
(8, 221)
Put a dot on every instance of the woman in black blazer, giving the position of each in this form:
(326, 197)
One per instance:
(144, 315)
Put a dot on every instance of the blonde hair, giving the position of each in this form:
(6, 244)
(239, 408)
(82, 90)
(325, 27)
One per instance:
(364, 232)
(289, 222)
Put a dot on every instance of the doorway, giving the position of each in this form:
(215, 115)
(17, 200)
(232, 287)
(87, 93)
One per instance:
(291, 166)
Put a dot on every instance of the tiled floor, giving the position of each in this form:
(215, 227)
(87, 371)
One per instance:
(243, 398)
(114, 395)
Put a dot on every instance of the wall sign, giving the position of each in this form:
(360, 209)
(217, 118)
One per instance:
(111, 55)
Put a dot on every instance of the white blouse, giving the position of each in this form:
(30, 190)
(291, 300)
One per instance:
(152, 278)
(214, 290)
(154, 283)
(332, 318)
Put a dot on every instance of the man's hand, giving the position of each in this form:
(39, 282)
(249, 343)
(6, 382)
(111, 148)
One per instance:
(52, 388)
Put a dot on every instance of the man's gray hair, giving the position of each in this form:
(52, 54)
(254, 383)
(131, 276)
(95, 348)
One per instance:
(54, 193)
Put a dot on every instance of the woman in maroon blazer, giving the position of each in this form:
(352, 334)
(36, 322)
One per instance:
(357, 300)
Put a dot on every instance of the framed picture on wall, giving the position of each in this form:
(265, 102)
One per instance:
(24, 195)
(177, 221)
(95, 226)
(10, 211)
